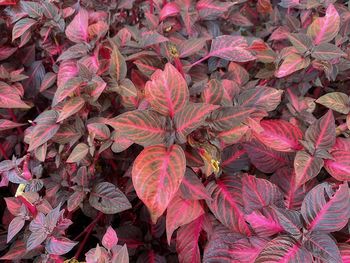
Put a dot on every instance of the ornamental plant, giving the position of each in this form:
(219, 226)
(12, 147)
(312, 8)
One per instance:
(175, 131)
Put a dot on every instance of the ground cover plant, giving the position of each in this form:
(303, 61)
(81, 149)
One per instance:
(174, 131)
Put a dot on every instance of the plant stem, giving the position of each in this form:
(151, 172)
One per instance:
(151, 6)
(201, 60)
(3, 153)
(179, 67)
(87, 232)
(14, 118)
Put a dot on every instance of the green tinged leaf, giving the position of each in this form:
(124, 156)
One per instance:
(337, 101)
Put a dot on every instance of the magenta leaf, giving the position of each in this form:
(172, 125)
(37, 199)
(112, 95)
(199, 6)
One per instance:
(339, 167)
(306, 167)
(233, 48)
(264, 158)
(265, 223)
(110, 238)
(226, 203)
(322, 132)
(324, 29)
(187, 241)
(157, 174)
(167, 91)
(190, 210)
(77, 30)
(192, 188)
(284, 249)
(280, 135)
(258, 193)
(325, 209)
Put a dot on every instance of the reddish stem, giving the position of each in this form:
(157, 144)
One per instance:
(87, 232)
(151, 6)
(201, 60)
(14, 118)
(179, 67)
(3, 152)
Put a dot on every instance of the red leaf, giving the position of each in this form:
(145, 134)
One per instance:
(284, 249)
(77, 30)
(225, 118)
(280, 135)
(192, 188)
(8, 2)
(190, 117)
(43, 131)
(117, 67)
(306, 167)
(264, 158)
(167, 91)
(233, 48)
(67, 90)
(71, 107)
(8, 125)
(170, 9)
(190, 46)
(142, 127)
(322, 132)
(233, 135)
(21, 27)
(9, 98)
(325, 209)
(245, 250)
(189, 211)
(226, 203)
(67, 70)
(110, 238)
(293, 195)
(187, 241)
(264, 98)
(324, 29)
(264, 223)
(213, 92)
(6, 52)
(78, 153)
(292, 63)
(17, 251)
(157, 174)
(258, 193)
(339, 168)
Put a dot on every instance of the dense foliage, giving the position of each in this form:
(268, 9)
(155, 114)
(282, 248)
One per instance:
(175, 131)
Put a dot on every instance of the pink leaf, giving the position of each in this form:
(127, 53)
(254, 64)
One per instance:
(339, 168)
(189, 211)
(110, 238)
(324, 29)
(280, 135)
(77, 30)
(187, 241)
(325, 209)
(157, 174)
(170, 9)
(167, 91)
